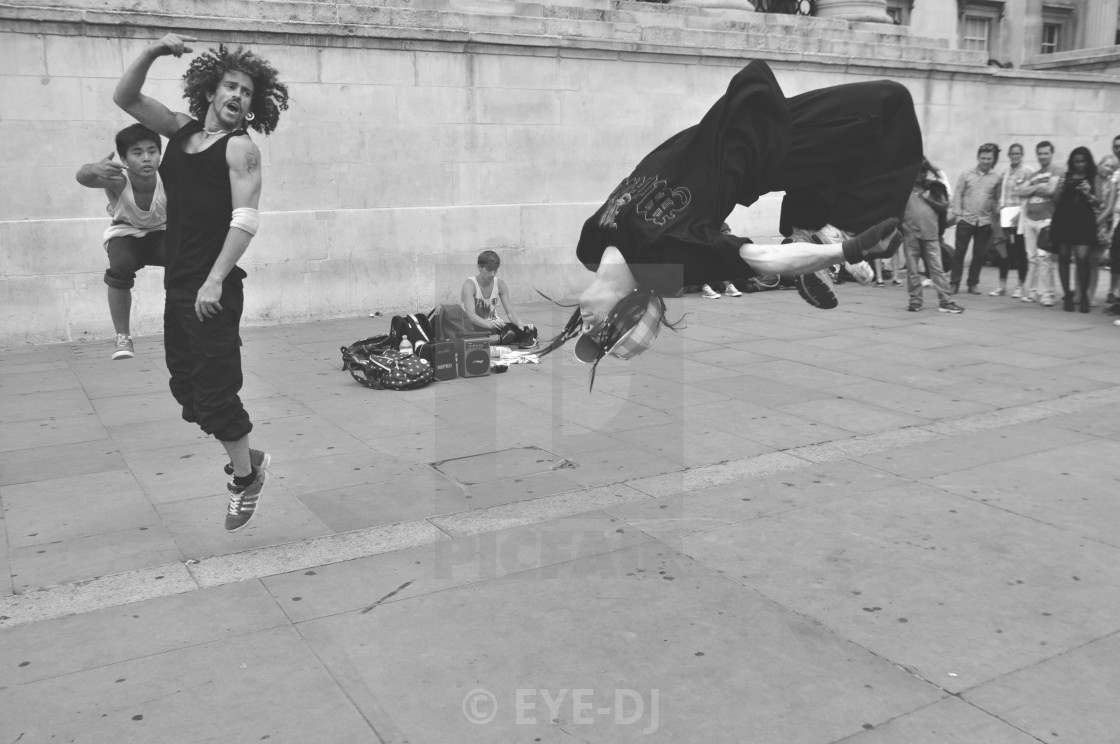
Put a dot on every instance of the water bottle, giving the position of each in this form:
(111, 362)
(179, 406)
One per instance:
(406, 347)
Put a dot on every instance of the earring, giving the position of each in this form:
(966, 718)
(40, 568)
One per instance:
(250, 116)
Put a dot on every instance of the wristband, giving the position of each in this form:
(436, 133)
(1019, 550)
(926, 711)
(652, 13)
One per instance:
(247, 219)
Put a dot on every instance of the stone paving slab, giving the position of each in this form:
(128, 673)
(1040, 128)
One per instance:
(258, 686)
(705, 628)
(952, 588)
(948, 721)
(383, 592)
(1069, 697)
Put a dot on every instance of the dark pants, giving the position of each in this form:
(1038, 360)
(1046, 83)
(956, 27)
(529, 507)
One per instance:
(854, 153)
(129, 254)
(204, 358)
(1114, 252)
(980, 237)
(846, 156)
(1016, 258)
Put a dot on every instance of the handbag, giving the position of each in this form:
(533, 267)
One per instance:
(1044, 243)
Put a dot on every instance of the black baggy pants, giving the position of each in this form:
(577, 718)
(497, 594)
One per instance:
(204, 359)
(846, 156)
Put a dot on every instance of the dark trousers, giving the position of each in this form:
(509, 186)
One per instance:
(980, 237)
(1016, 258)
(854, 153)
(204, 358)
(129, 254)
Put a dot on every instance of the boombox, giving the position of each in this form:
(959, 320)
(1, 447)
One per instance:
(473, 354)
(441, 355)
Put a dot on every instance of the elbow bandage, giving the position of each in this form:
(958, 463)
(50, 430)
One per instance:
(247, 219)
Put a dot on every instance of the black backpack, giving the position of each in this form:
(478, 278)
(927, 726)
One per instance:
(415, 327)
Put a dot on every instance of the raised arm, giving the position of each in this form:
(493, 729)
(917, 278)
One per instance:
(244, 160)
(148, 111)
(106, 174)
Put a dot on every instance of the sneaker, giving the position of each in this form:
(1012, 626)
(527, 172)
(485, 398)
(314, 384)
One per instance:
(914, 306)
(1018, 293)
(1047, 302)
(880, 284)
(897, 283)
(950, 307)
(816, 290)
(123, 349)
(709, 293)
(1026, 298)
(530, 337)
(730, 291)
(257, 459)
(927, 282)
(998, 292)
(1116, 322)
(861, 272)
(973, 289)
(243, 501)
(833, 234)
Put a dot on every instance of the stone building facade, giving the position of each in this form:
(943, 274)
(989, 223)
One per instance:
(424, 131)
(1033, 34)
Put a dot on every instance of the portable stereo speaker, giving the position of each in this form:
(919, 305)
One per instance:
(473, 354)
(441, 355)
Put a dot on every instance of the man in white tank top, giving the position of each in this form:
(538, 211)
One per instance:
(138, 210)
(481, 294)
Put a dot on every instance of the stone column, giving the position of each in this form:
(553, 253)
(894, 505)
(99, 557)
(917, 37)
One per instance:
(1099, 23)
(854, 10)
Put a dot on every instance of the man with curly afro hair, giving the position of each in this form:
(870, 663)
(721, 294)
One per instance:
(211, 172)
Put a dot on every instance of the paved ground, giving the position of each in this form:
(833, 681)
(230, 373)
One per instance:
(783, 525)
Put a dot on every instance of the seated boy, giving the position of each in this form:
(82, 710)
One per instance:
(479, 298)
(138, 209)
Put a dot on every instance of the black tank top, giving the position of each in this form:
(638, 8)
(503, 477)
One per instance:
(199, 207)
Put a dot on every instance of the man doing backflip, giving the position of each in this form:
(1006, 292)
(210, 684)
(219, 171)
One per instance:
(211, 173)
(846, 158)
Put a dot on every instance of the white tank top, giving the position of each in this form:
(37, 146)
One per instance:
(486, 307)
(129, 220)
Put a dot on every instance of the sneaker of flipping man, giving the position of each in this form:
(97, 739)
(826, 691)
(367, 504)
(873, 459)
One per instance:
(709, 293)
(860, 271)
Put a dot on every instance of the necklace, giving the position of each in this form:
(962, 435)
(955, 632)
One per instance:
(216, 132)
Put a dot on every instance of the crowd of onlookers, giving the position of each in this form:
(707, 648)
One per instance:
(1048, 230)
(1053, 226)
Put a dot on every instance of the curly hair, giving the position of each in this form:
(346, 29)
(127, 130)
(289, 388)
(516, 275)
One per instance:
(270, 96)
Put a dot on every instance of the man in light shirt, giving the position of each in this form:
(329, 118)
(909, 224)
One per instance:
(976, 205)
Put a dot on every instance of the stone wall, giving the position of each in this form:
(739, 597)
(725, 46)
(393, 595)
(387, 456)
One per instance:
(422, 132)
